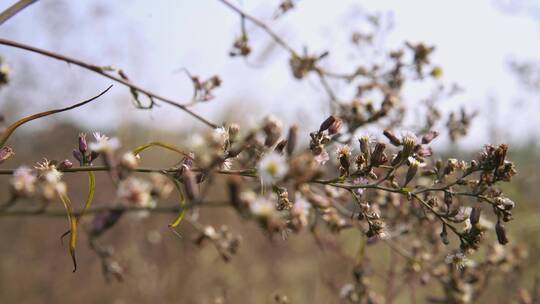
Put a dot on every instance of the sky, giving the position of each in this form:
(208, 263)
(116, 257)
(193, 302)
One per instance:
(151, 42)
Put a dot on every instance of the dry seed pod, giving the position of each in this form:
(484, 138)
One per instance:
(392, 138)
(475, 215)
(292, 139)
(501, 233)
(190, 185)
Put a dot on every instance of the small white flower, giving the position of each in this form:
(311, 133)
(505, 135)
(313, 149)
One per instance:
(220, 136)
(130, 160)
(346, 291)
(262, 207)
(459, 260)
(301, 205)
(24, 181)
(104, 143)
(248, 196)
(4, 69)
(134, 191)
(272, 167)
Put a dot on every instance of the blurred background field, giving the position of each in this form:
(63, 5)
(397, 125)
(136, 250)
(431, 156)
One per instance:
(34, 266)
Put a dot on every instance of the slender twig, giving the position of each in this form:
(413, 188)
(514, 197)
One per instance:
(102, 71)
(13, 10)
(261, 25)
(57, 212)
(248, 172)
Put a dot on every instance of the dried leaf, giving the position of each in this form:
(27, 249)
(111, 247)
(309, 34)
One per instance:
(72, 227)
(182, 202)
(9, 130)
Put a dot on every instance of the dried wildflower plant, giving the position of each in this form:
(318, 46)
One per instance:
(388, 186)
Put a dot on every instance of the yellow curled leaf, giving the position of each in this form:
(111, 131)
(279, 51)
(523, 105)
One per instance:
(182, 202)
(90, 197)
(72, 227)
(141, 148)
(9, 130)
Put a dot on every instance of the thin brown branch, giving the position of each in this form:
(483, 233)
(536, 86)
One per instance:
(13, 10)
(101, 71)
(57, 212)
(261, 25)
(142, 170)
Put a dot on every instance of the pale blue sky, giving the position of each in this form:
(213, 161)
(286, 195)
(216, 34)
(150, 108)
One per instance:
(474, 41)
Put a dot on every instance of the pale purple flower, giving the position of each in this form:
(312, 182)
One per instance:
(322, 158)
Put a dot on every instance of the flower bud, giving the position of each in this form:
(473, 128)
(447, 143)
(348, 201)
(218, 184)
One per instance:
(378, 157)
(190, 185)
(234, 129)
(335, 127)
(364, 147)
(327, 123)
(444, 235)
(65, 164)
(429, 136)
(500, 155)
(77, 155)
(409, 143)
(291, 139)
(343, 155)
(474, 217)
(423, 151)
(5, 153)
(392, 138)
(447, 199)
(411, 172)
(397, 159)
(280, 146)
(501, 233)
(83, 145)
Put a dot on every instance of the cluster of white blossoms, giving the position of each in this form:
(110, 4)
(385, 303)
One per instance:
(272, 168)
(50, 179)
